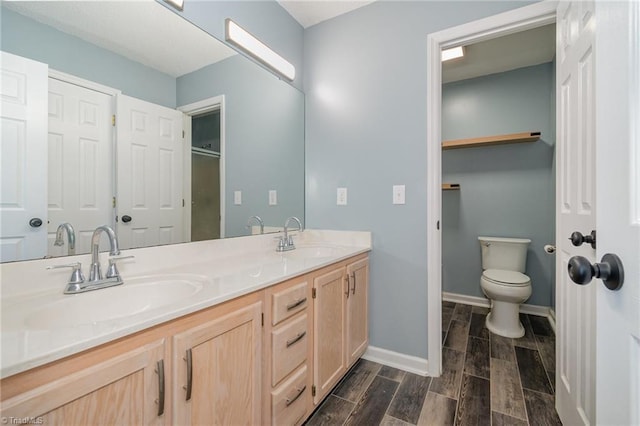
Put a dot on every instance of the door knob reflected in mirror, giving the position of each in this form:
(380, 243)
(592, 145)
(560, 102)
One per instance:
(577, 239)
(35, 222)
(609, 270)
(126, 218)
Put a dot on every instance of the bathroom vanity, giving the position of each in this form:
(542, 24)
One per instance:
(247, 335)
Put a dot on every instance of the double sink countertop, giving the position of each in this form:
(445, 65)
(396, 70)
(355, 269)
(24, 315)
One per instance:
(40, 324)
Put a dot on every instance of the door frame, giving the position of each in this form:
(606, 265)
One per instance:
(513, 21)
(195, 108)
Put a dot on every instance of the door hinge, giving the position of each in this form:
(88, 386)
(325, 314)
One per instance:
(183, 134)
(183, 202)
(113, 203)
(313, 293)
(113, 120)
(438, 225)
(313, 390)
(262, 315)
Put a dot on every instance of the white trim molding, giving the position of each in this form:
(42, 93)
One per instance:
(510, 22)
(412, 364)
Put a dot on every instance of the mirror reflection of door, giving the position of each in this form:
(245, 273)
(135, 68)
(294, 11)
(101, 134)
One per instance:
(205, 176)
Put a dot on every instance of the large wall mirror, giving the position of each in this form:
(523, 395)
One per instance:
(204, 139)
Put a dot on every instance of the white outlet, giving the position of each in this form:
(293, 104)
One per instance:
(342, 197)
(237, 197)
(273, 197)
(398, 194)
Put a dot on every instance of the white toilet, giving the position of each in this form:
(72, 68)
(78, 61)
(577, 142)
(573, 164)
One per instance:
(503, 282)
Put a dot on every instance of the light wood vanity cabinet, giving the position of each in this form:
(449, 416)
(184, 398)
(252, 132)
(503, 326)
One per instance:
(340, 321)
(264, 358)
(128, 388)
(217, 368)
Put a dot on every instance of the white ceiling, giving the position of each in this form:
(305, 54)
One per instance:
(115, 26)
(311, 12)
(526, 48)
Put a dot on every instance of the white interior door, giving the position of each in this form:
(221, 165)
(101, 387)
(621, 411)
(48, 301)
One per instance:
(149, 176)
(618, 218)
(80, 172)
(23, 158)
(575, 211)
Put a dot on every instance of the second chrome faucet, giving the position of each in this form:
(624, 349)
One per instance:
(286, 241)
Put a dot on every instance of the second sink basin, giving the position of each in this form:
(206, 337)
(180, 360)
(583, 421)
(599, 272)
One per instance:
(135, 296)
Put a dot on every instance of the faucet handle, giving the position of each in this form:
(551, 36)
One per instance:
(112, 270)
(77, 276)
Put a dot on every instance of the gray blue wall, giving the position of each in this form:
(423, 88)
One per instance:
(25, 37)
(506, 190)
(366, 90)
(254, 101)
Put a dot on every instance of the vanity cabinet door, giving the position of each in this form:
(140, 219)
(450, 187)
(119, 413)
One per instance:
(127, 389)
(218, 370)
(329, 331)
(357, 335)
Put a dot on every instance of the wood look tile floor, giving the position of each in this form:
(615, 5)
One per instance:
(486, 380)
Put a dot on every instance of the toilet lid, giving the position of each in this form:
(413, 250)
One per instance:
(506, 277)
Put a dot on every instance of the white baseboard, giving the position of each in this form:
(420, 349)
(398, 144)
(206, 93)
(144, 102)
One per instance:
(542, 311)
(412, 364)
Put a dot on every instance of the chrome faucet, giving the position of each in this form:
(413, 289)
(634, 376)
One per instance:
(71, 236)
(95, 273)
(260, 222)
(77, 283)
(286, 241)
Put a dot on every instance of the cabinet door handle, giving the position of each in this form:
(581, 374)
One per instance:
(160, 401)
(290, 401)
(296, 339)
(296, 304)
(189, 360)
(348, 285)
(353, 289)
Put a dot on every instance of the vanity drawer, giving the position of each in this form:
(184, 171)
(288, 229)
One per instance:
(288, 302)
(289, 402)
(289, 348)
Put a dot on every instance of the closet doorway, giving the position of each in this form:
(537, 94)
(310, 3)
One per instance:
(204, 169)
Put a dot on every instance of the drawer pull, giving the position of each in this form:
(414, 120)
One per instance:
(160, 371)
(189, 374)
(296, 339)
(296, 304)
(292, 400)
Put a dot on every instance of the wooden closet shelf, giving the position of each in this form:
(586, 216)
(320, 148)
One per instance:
(491, 140)
(450, 186)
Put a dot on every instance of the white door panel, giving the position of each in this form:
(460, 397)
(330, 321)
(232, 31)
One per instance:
(149, 173)
(575, 376)
(81, 159)
(618, 210)
(23, 89)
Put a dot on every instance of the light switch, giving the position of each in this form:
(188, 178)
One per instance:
(237, 197)
(342, 197)
(273, 197)
(398, 194)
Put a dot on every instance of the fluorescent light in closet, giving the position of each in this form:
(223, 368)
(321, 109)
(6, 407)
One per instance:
(453, 53)
(239, 37)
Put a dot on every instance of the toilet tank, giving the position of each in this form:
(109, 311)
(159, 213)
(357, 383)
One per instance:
(504, 253)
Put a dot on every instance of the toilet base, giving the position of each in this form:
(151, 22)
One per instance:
(504, 319)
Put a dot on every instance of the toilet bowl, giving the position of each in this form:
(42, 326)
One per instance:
(506, 290)
(504, 283)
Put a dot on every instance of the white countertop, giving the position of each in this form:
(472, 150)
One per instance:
(40, 324)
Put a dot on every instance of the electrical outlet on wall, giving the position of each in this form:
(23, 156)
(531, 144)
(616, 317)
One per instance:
(273, 197)
(342, 197)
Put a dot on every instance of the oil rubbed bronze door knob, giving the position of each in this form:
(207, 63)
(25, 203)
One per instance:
(609, 270)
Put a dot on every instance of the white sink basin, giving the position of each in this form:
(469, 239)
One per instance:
(133, 297)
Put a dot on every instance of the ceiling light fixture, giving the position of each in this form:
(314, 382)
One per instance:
(453, 53)
(178, 4)
(240, 38)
